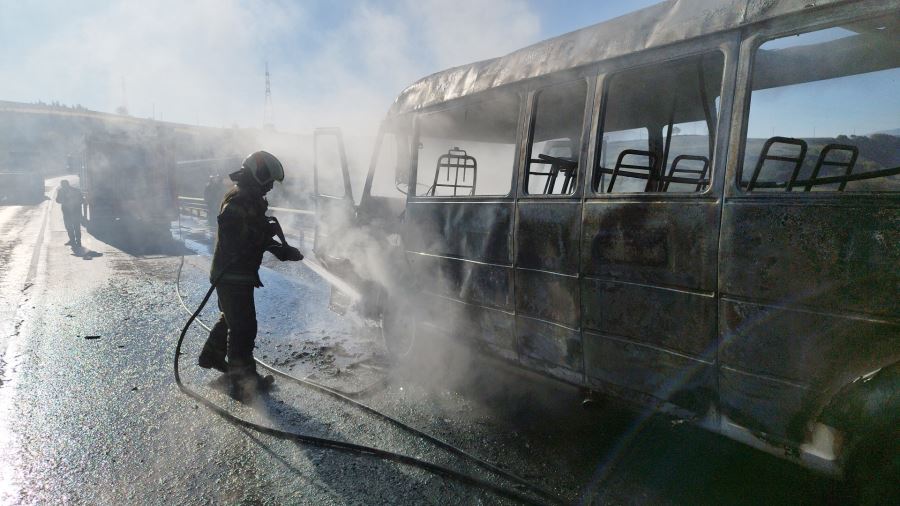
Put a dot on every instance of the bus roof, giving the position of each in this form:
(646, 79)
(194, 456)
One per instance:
(654, 26)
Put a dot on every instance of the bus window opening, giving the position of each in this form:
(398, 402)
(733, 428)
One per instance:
(556, 140)
(659, 128)
(825, 112)
(473, 145)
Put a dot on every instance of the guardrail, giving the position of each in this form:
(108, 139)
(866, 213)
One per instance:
(196, 206)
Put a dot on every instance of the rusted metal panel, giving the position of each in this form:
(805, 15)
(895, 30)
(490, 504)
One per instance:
(833, 258)
(550, 348)
(548, 296)
(671, 319)
(477, 231)
(655, 243)
(664, 375)
(471, 282)
(809, 348)
(547, 236)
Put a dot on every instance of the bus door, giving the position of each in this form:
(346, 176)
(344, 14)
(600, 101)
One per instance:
(548, 230)
(335, 209)
(460, 220)
(650, 235)
(810, 263)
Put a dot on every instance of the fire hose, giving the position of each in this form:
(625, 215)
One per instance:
(345, 446)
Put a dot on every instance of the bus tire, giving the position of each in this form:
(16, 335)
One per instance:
(399, 330)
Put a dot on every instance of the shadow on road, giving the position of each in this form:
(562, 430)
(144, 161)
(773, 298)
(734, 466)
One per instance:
(136, 238)
(615, 453)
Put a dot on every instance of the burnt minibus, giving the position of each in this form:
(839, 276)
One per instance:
(695, 206)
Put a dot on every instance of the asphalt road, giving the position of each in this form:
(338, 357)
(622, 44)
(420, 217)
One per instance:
(89, 411)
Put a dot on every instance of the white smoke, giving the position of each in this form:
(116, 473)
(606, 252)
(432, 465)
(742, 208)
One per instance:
(203, 61)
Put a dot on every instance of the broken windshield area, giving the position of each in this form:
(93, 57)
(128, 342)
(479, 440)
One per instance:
(825, 112)
(470, 149)
(659, 126)
(390, 176)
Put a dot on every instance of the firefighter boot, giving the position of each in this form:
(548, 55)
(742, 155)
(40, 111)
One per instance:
(211, 358)
(246, 383)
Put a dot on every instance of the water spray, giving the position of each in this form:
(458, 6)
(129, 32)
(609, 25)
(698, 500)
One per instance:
(302, 438)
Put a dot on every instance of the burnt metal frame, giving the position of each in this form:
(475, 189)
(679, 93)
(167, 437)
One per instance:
(764, 156)
(701, 174)
(730, 133)
(568, 168)
(823, 160)
(617, 170)
(455, 159)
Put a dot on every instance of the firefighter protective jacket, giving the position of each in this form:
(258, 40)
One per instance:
(244, 235)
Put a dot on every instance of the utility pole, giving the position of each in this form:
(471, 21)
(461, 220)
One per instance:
(268, 113)
(123, 109)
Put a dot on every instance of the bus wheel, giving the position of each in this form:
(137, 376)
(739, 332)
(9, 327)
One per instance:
(398, 329)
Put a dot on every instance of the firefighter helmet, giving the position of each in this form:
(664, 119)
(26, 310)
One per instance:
(263, 167)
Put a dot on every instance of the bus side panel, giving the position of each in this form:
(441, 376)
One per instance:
(550, 348)
(461, 255)
(548, 306)
(682, 322)
(654, 243)
(547, 296)
(831, 258)
(779, 365)
(661, 374)
(809, 302)
(478, 231)
(547, 236)
(648, 297)
(466, 281)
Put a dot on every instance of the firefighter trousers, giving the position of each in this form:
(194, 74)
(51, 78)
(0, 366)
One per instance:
(234, 334)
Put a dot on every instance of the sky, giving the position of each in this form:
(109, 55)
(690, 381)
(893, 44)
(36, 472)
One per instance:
(203, 61)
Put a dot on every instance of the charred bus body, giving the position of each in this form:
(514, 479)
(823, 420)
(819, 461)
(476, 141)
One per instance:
(696, 206)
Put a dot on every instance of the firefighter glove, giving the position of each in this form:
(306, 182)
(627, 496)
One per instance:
(286, 253)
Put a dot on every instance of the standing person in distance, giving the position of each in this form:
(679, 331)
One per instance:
(71, 200)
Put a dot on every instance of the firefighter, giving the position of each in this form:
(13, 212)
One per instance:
(71, 199)
(244, 234)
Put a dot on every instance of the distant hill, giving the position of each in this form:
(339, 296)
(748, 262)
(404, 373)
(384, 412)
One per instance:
(876, 152)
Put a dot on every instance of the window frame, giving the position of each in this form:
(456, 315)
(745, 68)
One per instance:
(376, 152)
(724, 45)
(344, 168)
(584, 148)
(751, 41)
(468, 101)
